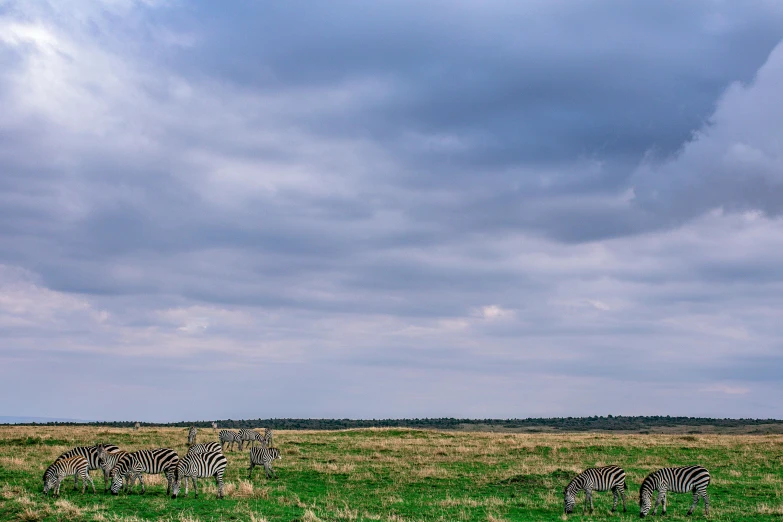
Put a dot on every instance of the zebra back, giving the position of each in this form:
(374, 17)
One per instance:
(62, 467)
(678, 480)
(262, 455)
(90, 453)
(205, 447)
(598, 479)
(200, 465)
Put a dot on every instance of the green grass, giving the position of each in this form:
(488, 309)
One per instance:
(399, 475)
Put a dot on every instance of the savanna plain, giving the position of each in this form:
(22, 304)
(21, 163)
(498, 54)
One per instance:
(398, 475)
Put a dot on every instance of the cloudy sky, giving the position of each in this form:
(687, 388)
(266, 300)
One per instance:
(391, 209)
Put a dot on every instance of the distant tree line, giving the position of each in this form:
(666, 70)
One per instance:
(610, 422)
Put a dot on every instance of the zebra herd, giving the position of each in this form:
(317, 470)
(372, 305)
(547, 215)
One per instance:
(686, 479)
(205, 460)
(123, 468)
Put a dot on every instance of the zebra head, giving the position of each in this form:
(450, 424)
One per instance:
(116, 481)
(275, 453)
(569, 499)
(50, 481)
(175, 483)
(645, 498)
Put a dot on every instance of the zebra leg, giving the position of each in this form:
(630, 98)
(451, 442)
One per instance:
(76, 481)
(250, 471)
(591, 501)
(219, 482)
(267, 469)
(614, 503)
(622, 494)
(57, 488)
(195, 485)
(664, 504)
(695, 502)
(658, 500)
(706, 503)
(141, 481)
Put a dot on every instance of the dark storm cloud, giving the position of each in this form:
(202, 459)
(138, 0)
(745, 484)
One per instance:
(361, 195)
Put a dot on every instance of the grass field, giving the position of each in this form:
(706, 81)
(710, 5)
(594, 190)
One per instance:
(399, 475)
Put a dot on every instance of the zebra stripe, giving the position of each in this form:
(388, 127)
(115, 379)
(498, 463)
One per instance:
(92, 454)
(75, 465)
(595, 479)
(229, 437)
(205, 447)
(267, 438)
(132, 465)
(108, 460)
(199, 465)
(263, 457)
(685, 479)
(248, 435)
(192, 435)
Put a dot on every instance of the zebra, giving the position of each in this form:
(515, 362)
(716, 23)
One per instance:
(136, 426)
(263, 457)
(92, 454)
(679, 480)
(108, 460)
(595, 479)
(267, 439)
(75, 465)
(199, 465)
(192, 435)
(132, 465)
(250, 436)
(229, 437)
(205, 447)
(214, 427)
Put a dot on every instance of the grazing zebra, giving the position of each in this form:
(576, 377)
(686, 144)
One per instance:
(131, 466)
(250, 436)
(92, 454)
(205, 447)
(263, 457)
(679, 480)
(595, 479)
(229, 437)
(199, 465)
(192, 435)
(76, 465)
(136, 426)
(108, 460)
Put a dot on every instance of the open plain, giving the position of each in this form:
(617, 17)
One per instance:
(399, 475)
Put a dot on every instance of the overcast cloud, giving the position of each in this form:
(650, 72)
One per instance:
(390, 209)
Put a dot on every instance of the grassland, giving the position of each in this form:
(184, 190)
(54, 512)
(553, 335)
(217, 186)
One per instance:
(399, 475)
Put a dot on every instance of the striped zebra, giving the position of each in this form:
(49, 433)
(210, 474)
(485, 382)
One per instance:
(136, 426)
(250, 436)
(685, 479)
(75, 465)
(263, 457)
(229, 437)
(267, 438)
(199, 465)
(92, 454)
(131, 466)
(595, 479)
(214, 427)
(192, 435)
(205, 447)
(108, 460)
